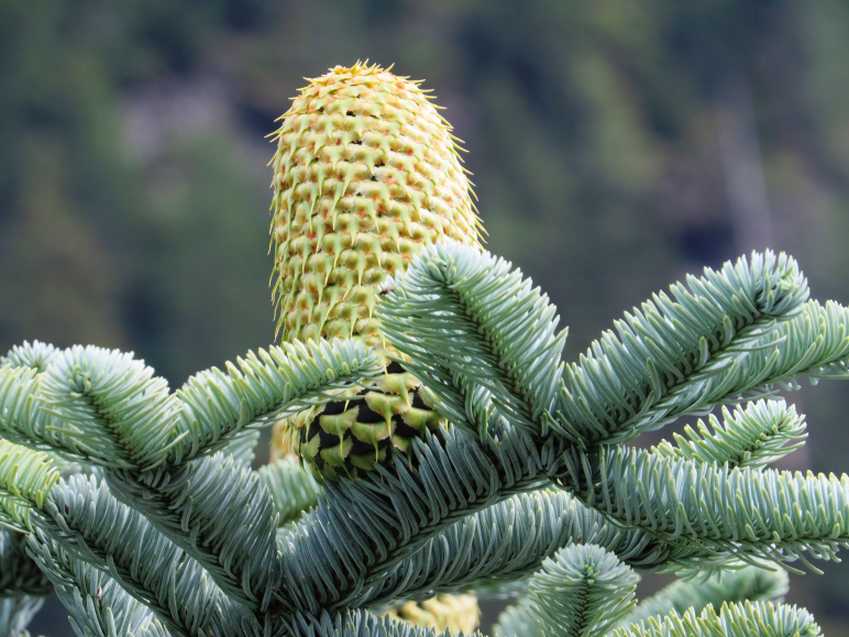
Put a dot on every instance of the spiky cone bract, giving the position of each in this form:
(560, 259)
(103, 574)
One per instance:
(366, 174)
(456, 613)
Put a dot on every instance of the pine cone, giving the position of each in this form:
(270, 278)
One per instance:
(457, 613)
(366, 174)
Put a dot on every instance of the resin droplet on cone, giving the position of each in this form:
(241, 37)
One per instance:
(366, 174)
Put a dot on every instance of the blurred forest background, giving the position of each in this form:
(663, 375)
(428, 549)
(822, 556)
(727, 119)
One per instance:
(615, 146)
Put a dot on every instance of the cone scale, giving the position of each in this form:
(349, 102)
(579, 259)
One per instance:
(366, 174)
(456, 613)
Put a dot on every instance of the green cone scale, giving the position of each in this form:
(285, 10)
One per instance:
(366, 174)
(456, 613)
(357, 432)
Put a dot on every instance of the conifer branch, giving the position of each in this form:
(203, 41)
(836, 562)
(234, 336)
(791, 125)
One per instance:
(509, 540)
(98, 606)
(503, 333)
(506, 542)
(237, 543)
(19, 575)
(764, 619)
(362, 529)
(293, 489)
(713, 514)
(23, 419)
(582, 591)
(273, 553)
(751, 437)
(103, 406)
(83, 518)
(264, 386)
(814, 343)
(219, 512)
(734, 585)
(118, 399)
(773, 282)
(16, 613)
(754, 436)
(694, 555)
(648, 372)
(26, 478)
(126, 412)
(33, 355)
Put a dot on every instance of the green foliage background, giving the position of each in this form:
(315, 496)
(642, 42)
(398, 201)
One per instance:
(615, 146)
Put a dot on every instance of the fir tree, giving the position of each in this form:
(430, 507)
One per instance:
(138, 506)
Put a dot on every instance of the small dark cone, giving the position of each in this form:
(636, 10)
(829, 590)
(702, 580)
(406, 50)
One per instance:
(350, 436)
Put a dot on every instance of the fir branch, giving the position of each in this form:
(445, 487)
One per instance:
(582, 591)
(16, 613)
(116, 397)
(103, 406)
(34, 355)
(293, 488)
(219, 512)
(85, 519)
(750, 437)
(503, 333)
(23, 419)
(764, 619)
(506, 542)
(814, 343)
(97, 605)
(26, 477)
(754, 436)
(362, 529)
(774, 287)
(242, 446)
(19, 575)
(734, 585)
(716, 513)
(626, 381)
(264, 386)
(123, 414)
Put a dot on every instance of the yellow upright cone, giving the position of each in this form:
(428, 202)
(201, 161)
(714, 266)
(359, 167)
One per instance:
(366, 174)
(456, 613)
